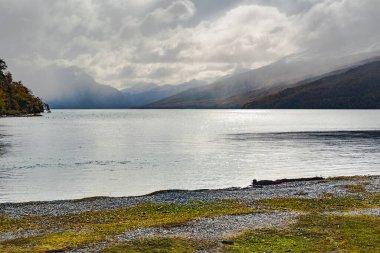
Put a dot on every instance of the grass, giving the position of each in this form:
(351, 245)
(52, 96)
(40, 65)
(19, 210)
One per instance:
(314, 233)
(325, 204)
(142, 215)
(270, 240)
(354, 188)
(347, 178)
(87, 228)
(161, 244)
(8, 224)
(49, 242)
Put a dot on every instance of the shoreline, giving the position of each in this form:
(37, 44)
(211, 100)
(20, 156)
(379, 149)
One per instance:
(255, 184)
(21, 116)
(280, 216)
(257, 190)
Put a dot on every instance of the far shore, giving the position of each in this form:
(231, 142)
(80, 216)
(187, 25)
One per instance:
(20, 115)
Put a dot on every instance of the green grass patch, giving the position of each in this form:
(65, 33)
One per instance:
(347, 178)
(314, 233)
(354, 188)
(161, 244)
(91, 227)
(49, 242)
(8, 224)
(271, 240)
(327, 203)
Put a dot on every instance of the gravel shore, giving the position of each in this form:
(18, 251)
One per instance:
(209, 228)
(301, 189)
(214, 228)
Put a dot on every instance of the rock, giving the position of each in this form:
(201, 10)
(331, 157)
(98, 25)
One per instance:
(226, 242)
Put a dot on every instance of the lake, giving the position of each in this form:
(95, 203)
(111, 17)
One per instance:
(81, 153)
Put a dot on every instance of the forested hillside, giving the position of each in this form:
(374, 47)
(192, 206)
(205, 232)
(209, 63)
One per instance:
(15, 98)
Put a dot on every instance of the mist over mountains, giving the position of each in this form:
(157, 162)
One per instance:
(237, 90)
(141, 95)
(72, 88)
(353, 88)
(124, 54)
(250, 89)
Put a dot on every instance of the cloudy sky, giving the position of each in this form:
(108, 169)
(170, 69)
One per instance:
(120, 42)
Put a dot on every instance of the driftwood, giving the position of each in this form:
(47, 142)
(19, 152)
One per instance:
(281, 181)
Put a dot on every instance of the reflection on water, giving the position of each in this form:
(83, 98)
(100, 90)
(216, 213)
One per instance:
(340, 139)
(333, 144)
(351, 150)
(2, 148)
(3, 145)
(309, 136)
(3, 173)
(82, 153)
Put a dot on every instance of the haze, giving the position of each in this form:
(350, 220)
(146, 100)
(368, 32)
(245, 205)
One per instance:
(59, 47)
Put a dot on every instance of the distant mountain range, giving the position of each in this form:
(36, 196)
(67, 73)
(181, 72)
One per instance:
(237, 90)
(289, 83)
(140, 95)
(83, 92)
(353, 88)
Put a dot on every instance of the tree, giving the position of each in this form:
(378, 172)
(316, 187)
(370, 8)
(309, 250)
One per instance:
(15, 98)
(3, 66)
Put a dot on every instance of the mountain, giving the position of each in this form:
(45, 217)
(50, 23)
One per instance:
(143, 94)
(89, 94)
(139, 88)
(72, 88)
(95, 96)
(15, 98)
(237, 90)
(354, 88)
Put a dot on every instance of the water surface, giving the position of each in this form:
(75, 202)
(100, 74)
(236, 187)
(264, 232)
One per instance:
(80, 153)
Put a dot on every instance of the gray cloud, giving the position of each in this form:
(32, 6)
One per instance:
(177, 12)
(161, 72)
(119, 42)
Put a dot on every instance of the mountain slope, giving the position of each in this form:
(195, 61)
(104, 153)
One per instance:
(355, 88)
(95, 96)
(71, 88)
(142, 94)
(236, 90)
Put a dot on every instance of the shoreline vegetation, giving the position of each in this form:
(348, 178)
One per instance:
(16, 100)
(338, 214)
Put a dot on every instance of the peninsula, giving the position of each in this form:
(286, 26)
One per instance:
(15, 98)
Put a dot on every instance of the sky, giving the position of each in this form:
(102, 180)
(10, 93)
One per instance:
(121, 43)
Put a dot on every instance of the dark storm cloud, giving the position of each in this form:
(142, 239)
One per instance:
(120, 42)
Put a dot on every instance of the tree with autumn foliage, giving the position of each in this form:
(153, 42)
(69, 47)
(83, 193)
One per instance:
(15, 98)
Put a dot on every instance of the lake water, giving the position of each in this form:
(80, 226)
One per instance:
(80, 153)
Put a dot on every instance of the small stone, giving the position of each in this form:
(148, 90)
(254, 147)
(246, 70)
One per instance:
(228, 242)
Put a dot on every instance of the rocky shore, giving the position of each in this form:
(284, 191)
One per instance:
(210, 218)
(299, 189)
